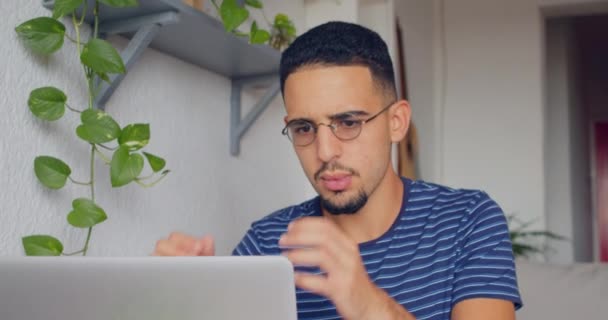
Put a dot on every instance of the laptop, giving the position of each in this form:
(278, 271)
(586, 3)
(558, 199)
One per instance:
(146, 288)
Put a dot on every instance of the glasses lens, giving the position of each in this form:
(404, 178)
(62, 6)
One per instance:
(301, 133)
(347, 129)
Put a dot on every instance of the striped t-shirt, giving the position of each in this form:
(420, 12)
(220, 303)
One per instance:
(446, 245)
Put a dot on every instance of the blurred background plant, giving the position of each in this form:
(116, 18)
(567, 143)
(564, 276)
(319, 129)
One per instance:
(527, 242)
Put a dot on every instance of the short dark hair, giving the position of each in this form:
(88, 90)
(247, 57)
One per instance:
(340, 44)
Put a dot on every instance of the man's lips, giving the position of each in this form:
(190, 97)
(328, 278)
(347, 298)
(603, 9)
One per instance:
(336, 182)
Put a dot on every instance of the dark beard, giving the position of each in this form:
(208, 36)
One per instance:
(351, 207)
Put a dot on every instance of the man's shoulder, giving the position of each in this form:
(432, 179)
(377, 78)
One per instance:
(442, 201)
(423, 190)
(441, 214)
(281, 218)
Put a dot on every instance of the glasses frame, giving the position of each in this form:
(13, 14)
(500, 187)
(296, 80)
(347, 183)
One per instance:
(331, 126)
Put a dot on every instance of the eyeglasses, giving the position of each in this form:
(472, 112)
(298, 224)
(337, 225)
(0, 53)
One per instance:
(344, 126)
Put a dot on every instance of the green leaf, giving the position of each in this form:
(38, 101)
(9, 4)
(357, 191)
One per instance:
(156, 163)
(254, 3)
(104, 77)
(41, 245)
(120, 3)
(52, 172)
(85, 214)
(284, 25)
(258, 36)
(546, 234)
(97, 127)
(101, 57)
(135, 136)
(232, 14)
(125, 167)
(291, 31)
(281, 20)
(63, 7)
(523, 250)
(42, 35)
(47, 103)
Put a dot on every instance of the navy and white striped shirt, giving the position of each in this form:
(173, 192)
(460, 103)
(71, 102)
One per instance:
(446, 245)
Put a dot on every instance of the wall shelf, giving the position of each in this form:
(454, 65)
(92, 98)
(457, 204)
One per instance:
(179, 30)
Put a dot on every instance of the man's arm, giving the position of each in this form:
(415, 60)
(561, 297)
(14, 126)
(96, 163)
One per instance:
(387, 308)
(471, 309)
(482, 309)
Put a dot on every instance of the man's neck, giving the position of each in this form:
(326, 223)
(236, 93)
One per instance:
(378, 214)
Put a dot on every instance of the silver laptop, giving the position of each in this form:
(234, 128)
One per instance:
(146, 288)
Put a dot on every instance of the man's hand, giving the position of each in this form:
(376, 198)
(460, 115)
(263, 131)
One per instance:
(179, 244)
(346, 283)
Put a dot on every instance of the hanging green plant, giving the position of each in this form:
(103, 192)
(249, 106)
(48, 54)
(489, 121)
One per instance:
(99, 59)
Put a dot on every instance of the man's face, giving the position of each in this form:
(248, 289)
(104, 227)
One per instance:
(344, 173)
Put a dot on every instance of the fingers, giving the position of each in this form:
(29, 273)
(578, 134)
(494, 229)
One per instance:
(315, 257)
(167, 248)
(305, 233)
(179, 244)
(320, 243)
(184, 244)
(319, 233)
(207, 246)
(313, 283)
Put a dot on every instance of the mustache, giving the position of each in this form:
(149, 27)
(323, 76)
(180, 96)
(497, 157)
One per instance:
(334, 166)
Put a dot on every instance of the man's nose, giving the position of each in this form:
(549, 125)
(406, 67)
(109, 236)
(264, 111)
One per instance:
(329, 146)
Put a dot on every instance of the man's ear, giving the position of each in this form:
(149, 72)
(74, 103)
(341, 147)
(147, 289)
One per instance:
(400, 115)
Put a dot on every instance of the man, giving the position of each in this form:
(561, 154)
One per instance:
(372, 245)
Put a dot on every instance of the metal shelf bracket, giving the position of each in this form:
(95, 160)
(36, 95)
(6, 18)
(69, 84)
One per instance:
(238, 125)
(145, 28)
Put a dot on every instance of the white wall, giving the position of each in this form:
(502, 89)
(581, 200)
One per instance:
(208, 191)
(493, 133)
(320, 11)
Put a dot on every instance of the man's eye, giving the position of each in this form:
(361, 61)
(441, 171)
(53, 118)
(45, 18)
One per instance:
(303, 128)
(346, 123)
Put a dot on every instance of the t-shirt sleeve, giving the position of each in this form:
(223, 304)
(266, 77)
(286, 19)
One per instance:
(248, 246)
(485, 266)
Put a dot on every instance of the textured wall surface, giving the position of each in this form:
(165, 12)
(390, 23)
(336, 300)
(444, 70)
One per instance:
(208, 191)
